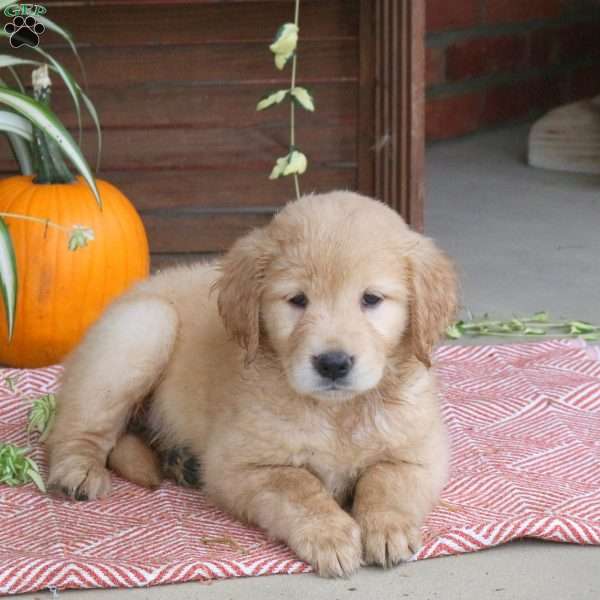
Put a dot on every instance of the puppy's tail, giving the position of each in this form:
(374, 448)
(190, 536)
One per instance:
(132, 459)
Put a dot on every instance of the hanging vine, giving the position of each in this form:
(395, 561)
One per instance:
(284, 48)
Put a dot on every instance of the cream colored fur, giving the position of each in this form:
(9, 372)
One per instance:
(226, 360)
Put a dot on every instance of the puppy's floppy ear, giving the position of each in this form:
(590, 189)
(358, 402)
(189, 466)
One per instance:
(433, 296)
(240, 287)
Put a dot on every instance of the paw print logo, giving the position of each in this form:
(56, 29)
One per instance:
(24, 32)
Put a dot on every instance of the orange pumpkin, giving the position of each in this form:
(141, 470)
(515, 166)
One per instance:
(61, 292)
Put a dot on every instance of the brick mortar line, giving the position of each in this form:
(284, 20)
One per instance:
(441, 90)
(444, 39)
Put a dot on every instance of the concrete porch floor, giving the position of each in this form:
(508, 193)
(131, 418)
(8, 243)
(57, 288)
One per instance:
(525, 240)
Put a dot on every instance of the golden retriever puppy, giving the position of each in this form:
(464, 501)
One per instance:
(296, 371)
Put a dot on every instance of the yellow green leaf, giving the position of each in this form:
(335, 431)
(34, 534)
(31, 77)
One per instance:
(297, 163)
(304, 98)
(286, 39)
(540, 317)
(453, 332)
(534, 331)
(79, 237)
(279, 167)
(591, 337)
(36, 478)
(271, 99)
(281, 60)
(16, 468)
(41, 416)
(582, 327)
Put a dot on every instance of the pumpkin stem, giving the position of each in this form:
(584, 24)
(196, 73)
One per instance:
(48, 163)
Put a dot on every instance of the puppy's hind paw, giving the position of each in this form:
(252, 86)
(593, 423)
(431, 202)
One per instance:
(80, 479)
(182, 466)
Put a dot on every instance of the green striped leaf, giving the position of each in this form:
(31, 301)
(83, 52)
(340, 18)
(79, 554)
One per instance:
(22, 152)
(14, 123)
(41, 116)
(8, 277)
(6, 60)
(68, 37)
(20, 147)
(17, 79)
(69, 81)
(92, 111)
(19, 144)
(9, 62)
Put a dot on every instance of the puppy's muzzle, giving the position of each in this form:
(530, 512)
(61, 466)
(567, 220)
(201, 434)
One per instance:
(333, 365)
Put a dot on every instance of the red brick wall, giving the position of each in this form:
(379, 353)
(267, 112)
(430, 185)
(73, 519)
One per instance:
(495, 61)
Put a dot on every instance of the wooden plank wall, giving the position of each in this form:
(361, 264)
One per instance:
(176, 86)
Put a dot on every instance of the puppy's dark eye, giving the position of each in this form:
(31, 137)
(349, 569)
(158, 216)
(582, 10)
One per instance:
(299, 300)
(370, 300)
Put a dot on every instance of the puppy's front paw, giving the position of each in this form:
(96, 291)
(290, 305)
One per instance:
(79, 478)
(389, 537)
(330, 544)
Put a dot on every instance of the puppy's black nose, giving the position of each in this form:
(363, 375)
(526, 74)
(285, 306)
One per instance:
(333, 365)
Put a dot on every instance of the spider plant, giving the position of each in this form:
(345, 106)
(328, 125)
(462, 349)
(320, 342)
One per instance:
(35, 133)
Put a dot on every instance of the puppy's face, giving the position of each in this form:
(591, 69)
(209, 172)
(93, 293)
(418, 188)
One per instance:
(336, 285)
(334, 315)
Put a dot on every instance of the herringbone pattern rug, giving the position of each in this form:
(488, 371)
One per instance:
(524, 424)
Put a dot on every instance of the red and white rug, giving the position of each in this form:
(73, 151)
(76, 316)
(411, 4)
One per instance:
(524, 422)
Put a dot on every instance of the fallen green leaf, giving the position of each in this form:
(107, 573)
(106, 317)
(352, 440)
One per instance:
(515, 325)
(534, 331)
(538, 324)
(453, 332)
(16, 468)
(10, 383)
(581, 327)
(591, 337)
(540, 317)
(41, 416)
(35, 476)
